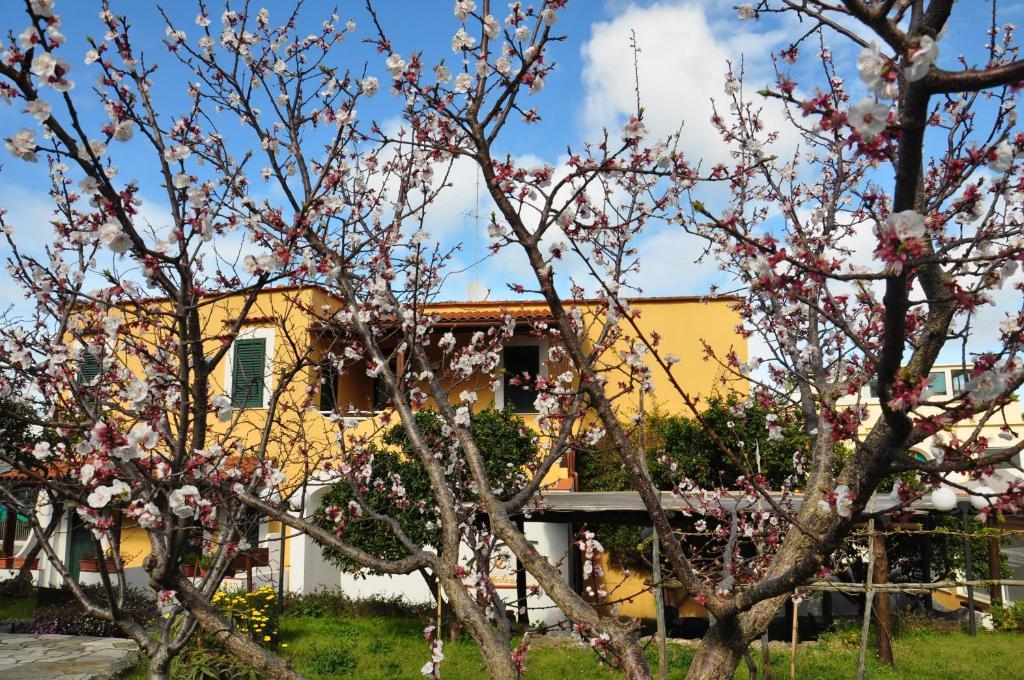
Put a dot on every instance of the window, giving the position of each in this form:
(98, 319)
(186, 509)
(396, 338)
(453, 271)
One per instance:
(1009, 464)
(89, 368)
(960, 380)
(937, 382)
(873, 387)
(249, 529)
(519, 397)
(328, 386)
(247, 373)
(381, 397)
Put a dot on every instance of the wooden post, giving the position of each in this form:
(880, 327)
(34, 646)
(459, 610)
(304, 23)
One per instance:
(968, 566)
(766, 659)
(794, 638)
(995, 572)
(868, 593)
(522, 611)
(926, 561)
(439, 607)
(883, 602)
(659, 609)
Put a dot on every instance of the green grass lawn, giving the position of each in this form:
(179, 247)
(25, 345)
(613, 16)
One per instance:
(378, 648)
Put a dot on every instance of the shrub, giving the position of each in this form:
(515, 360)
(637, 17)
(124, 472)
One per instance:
(202, 662)
(507, 445)
(254, 614)
(1009, 618)
(334, 602)
(70, 619)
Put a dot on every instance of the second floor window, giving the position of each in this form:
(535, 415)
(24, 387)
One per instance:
(328, 386)
(381, 396)
(247, 373)
(519, 395)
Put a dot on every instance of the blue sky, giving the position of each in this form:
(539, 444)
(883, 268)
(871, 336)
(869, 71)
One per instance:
(684, 46)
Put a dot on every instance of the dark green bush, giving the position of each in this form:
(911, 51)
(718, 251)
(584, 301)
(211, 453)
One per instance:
(508, 447)
(674, 439)
(1009, 618)
(333, 602)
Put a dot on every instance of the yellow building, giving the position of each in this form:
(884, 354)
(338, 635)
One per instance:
(291, 327)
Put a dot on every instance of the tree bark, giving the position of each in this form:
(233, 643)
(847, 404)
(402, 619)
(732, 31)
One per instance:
(719, 654)
(494, 647)
(158, 665)
(274, 667)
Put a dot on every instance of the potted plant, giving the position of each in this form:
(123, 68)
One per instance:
(190, 564)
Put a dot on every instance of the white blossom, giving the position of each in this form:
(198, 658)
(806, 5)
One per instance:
(462, 41)
(875, 70)
(463, 8)
(921, 58)
(395, 65)
(907, 225)
(39, 109)
(463, 82)
(222, 403)
(182, 501)
(113, 237)
(23, 145)
(370, 86)
(869, 117)
(1003, 155)
(42, 451)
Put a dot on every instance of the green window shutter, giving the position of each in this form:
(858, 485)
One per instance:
(519, 360)
(89, 368)
(247, 373)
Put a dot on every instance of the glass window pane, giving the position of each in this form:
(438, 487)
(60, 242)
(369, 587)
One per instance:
(523, 365)
(937, 382)
(960, 380)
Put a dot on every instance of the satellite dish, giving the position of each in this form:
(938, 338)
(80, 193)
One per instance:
(477, 292)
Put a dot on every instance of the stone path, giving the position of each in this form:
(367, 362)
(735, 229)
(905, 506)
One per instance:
(64, 657)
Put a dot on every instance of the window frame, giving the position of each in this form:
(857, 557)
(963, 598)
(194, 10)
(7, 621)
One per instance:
(256, 333)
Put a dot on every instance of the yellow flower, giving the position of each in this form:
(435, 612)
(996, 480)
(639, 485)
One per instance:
(266, 638)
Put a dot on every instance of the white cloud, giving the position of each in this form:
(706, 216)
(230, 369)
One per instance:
(682, 63)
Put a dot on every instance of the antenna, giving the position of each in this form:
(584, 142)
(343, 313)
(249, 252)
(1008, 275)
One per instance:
(475, 290)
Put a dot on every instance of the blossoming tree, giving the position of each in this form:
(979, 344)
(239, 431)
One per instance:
(922, 163)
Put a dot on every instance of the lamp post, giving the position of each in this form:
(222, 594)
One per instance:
(944, 500)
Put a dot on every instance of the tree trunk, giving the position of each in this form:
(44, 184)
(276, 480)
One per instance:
(447, 613)
(158, 666)
(494, 647)
(240, 645)
(718, 655)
